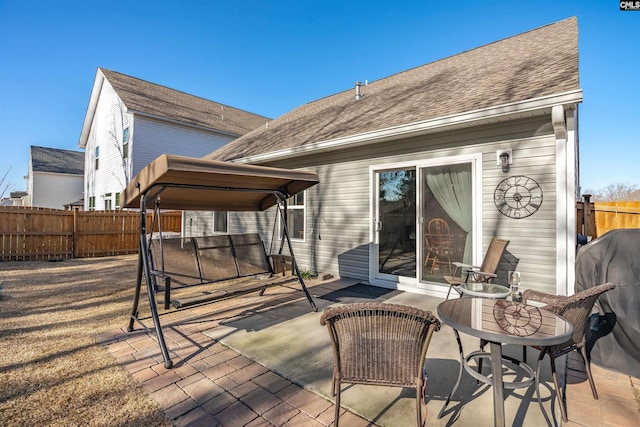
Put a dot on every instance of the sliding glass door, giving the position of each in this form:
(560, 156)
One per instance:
(423, 220)
(396, 222)
(447, 219)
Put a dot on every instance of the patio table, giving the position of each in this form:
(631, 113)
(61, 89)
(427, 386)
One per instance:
(483, 289)
(498, 322)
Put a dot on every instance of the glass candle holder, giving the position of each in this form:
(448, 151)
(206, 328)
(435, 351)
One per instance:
(514, 282)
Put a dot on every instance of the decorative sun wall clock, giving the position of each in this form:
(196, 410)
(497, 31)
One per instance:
(518, 196)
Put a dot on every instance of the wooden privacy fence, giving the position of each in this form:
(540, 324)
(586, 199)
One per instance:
(28, 233)
(596, 218)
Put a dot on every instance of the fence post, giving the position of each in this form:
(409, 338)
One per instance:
(74, 243)
(589, 218)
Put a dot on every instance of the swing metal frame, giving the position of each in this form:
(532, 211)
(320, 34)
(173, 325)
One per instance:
(150, 187)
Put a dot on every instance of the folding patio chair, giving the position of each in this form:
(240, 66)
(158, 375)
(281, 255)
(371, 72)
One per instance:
(484, 273)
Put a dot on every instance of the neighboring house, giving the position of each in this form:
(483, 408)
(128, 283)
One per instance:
(55, 177)
(430, 142)
(16, 198)
(6, 201)
(129, 122)
(76, 204)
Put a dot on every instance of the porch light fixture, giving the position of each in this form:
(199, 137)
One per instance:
(504, 159)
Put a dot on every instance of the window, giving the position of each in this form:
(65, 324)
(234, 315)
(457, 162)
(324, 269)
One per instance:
(97, 157)
(125, 143)
(117, 200)
(295, 216)
(107, 201)
(92, 203)
(220, 222)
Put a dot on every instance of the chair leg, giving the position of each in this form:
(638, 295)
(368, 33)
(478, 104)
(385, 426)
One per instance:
(419, 405)
(587, 368)
(559, 394)
(483, 343)
(337, 414)
(433, 264)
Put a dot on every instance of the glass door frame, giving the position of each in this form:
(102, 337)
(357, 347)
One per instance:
(415, 283)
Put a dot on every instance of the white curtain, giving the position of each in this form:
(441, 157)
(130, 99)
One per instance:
(451, 187)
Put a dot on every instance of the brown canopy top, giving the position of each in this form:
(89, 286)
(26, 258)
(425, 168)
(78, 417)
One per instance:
(197, 184)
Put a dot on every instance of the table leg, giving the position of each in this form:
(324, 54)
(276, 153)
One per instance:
(455, 387)
(498, 390)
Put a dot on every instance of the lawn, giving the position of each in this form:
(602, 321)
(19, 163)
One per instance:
(52, 372)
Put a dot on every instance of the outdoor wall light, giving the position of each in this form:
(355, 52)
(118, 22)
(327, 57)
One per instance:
(504, 159)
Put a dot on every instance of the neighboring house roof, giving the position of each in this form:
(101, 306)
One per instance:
(142, 97)
(519, 74)
(57, 161)
(17, 194)
(79, 202)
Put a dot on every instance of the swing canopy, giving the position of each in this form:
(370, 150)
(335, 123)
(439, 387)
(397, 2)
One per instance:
(187, 183)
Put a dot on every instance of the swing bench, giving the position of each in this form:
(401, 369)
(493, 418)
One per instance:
(227, 265)
(185, 262)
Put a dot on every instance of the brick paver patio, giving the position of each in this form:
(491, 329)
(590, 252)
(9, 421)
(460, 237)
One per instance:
(212, 385)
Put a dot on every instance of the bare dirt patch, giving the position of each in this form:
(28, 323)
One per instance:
(52, 371)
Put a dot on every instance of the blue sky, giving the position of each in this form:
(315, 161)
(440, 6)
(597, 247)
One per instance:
(268, 57)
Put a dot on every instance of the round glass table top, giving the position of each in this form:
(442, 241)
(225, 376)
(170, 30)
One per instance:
(487, 290)
(504, 321)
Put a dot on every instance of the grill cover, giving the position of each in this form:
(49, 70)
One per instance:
(614, 257)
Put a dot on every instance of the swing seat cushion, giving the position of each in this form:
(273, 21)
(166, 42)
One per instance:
(196, 260)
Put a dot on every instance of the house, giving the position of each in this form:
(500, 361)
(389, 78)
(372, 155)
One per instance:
(129, 122)
(6, 201)
(17, 198)
(55, 177)
(486, 140)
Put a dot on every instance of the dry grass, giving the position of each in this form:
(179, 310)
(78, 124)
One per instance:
(52, 372)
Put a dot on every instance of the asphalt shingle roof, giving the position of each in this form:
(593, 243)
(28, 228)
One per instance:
(530, 65)
(54, 160)
(150, 98)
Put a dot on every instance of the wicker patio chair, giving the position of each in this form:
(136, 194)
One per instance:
(576, 309)
(379, 344)
(439, 243)
(485, 273)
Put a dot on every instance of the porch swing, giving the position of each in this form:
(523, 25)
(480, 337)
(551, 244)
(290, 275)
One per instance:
(176, 182)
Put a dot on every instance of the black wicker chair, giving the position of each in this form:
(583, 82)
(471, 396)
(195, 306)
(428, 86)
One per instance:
(576, 309)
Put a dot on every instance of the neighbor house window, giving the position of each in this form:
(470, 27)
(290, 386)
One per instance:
(97, 157)
(220, 222)
(92, 203)
(117, 200)
(125, 143)
(295, 216)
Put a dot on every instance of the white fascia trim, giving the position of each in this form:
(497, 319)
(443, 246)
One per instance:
(417, 128)
(91, 109)
(178, 122)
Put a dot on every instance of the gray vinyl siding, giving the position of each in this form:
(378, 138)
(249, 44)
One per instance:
(337, 210)
(152, 137)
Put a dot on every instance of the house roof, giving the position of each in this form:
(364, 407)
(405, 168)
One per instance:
(510, 74)
(54, 160)
(146, 98)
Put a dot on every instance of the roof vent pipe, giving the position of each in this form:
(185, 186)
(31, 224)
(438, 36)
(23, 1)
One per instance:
(358, 96)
